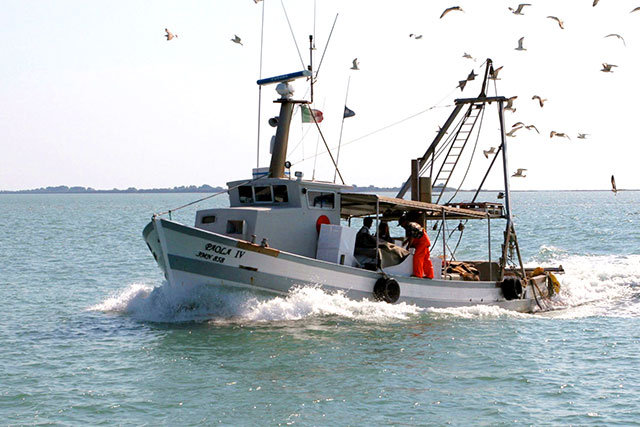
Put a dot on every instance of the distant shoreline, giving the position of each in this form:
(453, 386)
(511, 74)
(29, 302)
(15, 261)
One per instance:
(63, 189)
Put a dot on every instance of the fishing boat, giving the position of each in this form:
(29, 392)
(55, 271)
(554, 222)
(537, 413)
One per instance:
(281, 231)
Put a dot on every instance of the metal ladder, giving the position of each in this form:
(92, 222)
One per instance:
(455, 151)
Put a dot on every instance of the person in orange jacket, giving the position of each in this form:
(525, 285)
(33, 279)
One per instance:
(417, 238)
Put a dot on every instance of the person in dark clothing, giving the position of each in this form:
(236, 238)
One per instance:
(383, 232)
(364, 239)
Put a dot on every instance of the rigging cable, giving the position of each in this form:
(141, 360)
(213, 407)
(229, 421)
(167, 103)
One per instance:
(260, 89)
(475, 146)
(292, 35)
(325, 46)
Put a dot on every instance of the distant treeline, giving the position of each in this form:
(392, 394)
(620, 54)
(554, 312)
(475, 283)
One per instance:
(63, 189)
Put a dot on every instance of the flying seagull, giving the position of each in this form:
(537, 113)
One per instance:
(613, 185)
(466, 55)
(355, 64)
(635, 10)
(509, 106)
(512, 132)
(528, 127)
(416, 36)
(450, 9)
(606, 68)
(595, 2)
(558, 20)
(540, 100)
(618, 36)
(461, 85)
(237, 40)
(520, 47)
(583, 135)
(493, 73)
(169, 34)
(558, 134)
(519, 173)
(486, 153)
(472, 76)
(518, 10)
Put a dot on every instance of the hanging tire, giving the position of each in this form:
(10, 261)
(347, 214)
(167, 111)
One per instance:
(387, 290)
(511, 288)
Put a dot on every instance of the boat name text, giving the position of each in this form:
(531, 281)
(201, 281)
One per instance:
(221, 252)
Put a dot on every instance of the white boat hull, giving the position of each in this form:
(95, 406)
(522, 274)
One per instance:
(190, 256)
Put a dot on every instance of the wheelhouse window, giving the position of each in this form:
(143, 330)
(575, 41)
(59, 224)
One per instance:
(263, 194)
(245, 192)
(280, 194)
(235, 227)
(321, 200)
(209, 219)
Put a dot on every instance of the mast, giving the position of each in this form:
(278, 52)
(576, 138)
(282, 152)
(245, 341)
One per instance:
(286, 101)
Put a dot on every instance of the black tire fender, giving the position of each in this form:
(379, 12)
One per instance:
(387, 289)
(511, 288)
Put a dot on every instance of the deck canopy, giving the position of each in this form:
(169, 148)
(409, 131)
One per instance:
(391, 208)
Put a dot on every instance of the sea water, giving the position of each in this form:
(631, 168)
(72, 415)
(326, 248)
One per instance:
(91, 334)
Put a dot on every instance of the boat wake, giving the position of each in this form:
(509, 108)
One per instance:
(592, 286)
(596, 285)
(199, 303)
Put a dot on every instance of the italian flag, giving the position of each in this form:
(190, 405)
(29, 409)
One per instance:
(306, 114)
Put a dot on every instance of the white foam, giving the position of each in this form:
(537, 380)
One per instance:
(313, 301)
(606, 285)
(476, 311)
(196, 303)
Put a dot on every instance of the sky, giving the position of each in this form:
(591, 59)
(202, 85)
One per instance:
(94, 95)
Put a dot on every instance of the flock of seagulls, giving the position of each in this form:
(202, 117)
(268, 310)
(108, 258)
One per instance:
(519, 10)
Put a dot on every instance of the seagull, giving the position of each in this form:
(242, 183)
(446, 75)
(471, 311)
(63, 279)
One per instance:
(493, 74)
(237, 40)
(466, 55)
(486, 153)
(256, 1)
(558, 134)
(500, 195)
(560, 21)
(169, 34)
(618, 36)
(509, 106)
(472, 76)
(519, 174)
(520, 47)
(540, 100)
(606, 68)
(635, 10)
(613, 185)
(529, 127)
(512, 132)
(595, 2)
(461, 84)
(416, 36)
(583, 135)
(517, 124)
(355, 64)
(518, 10)
(450, 9)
